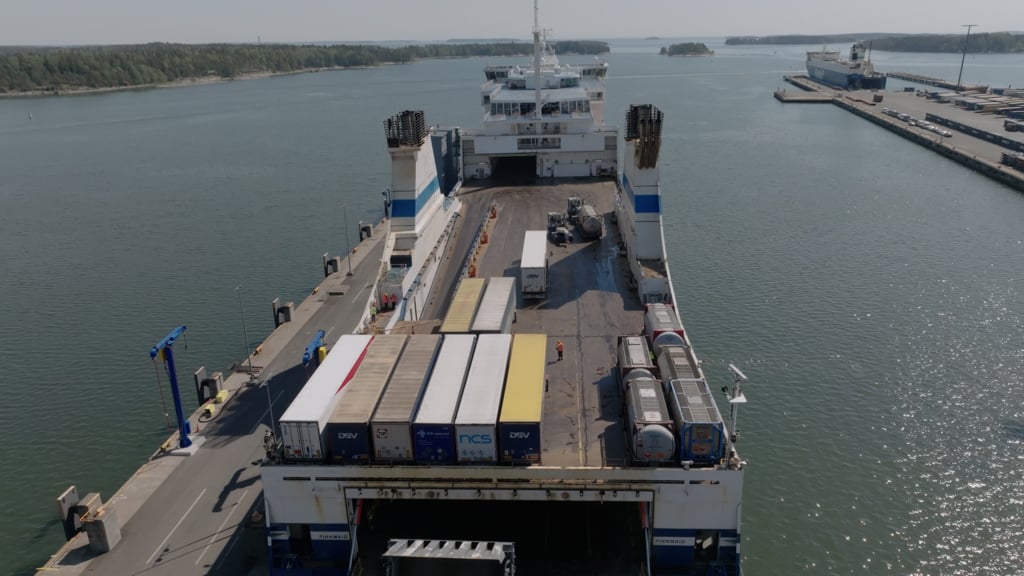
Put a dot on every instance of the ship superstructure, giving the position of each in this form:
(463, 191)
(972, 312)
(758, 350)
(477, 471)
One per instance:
(857, 73)
(550, 444)
(544, 118)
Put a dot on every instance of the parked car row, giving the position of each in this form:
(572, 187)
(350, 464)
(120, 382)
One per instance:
(915, 122)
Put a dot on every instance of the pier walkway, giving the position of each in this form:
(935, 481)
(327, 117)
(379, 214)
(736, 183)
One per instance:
(939, 82)
(186, 514)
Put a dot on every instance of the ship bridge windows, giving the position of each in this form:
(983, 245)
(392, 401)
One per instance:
(574, 106)
(539, 143)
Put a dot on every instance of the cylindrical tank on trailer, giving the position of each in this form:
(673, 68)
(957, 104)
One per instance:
(667, 339)
(654, 443)
(649, 425)
(634, 375)
(591, 223)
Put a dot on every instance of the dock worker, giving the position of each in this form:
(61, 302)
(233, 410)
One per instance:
(373, 312)
(560, 348)
(383, 301)
(394, 300)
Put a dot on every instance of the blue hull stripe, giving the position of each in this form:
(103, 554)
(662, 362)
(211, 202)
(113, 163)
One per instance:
(642, 203)
(647, 204)
(408, 208)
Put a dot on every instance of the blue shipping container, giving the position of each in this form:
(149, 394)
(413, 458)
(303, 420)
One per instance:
(434, 443)
(519, 443)
(350, 443)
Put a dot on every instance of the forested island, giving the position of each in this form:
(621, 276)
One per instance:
(687, 49)
(805, 38)
(980, 43)
(63, 70)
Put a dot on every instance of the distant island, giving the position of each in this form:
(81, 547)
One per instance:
(980, 43)
(26, 71)
(789, 39)
(687, 49)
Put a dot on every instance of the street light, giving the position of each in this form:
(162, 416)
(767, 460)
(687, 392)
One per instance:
(348, 247)
(959, 87)
(270, 405)
(245, 336)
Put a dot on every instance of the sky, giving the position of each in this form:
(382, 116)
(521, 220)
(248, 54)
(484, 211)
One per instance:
(69, 22)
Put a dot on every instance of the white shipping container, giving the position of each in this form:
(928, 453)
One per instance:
(533, 265)
(476, 422)
(497, 307)
(391, 425)
(302, 424)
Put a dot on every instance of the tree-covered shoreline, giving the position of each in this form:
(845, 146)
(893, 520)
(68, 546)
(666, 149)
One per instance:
(980, 43)
(49, 70)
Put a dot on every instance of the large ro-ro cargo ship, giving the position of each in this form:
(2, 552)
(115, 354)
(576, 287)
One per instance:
(529, 406)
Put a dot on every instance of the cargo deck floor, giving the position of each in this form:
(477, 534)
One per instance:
(588, 306)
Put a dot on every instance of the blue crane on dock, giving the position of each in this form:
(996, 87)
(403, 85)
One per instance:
(165, 349)
(313, 349)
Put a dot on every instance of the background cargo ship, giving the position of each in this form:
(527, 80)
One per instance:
(501, 450)
(857, 73)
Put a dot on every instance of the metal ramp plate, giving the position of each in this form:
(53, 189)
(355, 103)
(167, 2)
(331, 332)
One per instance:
(449, 549)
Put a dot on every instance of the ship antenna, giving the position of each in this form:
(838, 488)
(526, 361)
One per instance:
(736, 397)
(536, 66)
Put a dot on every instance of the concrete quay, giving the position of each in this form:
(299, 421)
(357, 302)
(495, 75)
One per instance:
(976, 136)
(809, 91)
(975, 152)
(196, 510)
(938, 82)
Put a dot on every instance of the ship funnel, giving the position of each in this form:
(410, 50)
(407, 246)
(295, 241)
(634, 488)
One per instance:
(641, 179)
(408, 128)
(414, 184)
(643, 128)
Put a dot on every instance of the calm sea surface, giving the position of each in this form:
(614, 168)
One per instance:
(871, 290)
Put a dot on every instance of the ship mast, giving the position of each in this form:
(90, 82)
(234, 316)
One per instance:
(536, 65)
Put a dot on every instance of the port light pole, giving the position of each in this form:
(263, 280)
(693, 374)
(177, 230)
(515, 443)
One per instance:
(348, 246)
(245, 335)
(165, 349)
(959, 87)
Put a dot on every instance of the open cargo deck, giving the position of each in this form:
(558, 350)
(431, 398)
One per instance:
(588, 306)
(584, 508)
